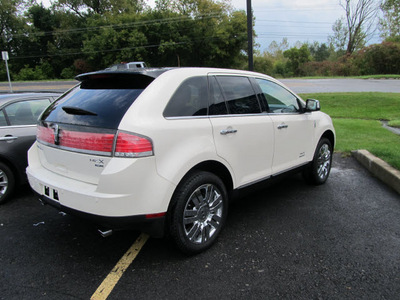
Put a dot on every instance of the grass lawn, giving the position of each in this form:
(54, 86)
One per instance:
(356, 117)
(395, 123)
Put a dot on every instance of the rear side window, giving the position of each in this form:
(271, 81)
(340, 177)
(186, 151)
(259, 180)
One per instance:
(239, 94)
(190, 99)
(97, 102)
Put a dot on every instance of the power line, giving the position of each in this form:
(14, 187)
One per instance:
(120, 26)
(295, 22)
(129, 48)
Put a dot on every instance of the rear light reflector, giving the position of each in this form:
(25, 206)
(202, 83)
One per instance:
(153, 216)
(121, 144)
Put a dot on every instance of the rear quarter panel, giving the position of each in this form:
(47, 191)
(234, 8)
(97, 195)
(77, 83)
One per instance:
(179, 143)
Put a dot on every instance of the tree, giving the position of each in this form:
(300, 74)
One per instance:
(276, 50)
(10, 24)
(15, 33)
(390, 23)
(83, 8)
(43, 23)
(359, 24)
(319, 52)
(339, 38)
(297, 57)
(113, 44)
(82, 35)
(195, 33)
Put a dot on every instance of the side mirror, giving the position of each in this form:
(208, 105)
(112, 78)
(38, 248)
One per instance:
(312, 105)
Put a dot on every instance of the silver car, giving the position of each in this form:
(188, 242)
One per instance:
(18, 117)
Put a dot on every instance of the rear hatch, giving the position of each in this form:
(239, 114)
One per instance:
(78, 134)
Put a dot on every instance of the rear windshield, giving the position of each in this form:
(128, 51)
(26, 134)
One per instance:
(97, 102)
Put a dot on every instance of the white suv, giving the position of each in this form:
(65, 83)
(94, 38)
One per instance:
(161, 150)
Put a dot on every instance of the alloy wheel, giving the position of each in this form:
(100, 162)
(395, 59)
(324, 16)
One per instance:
(203, 213)
(323, 161)
(3, 183)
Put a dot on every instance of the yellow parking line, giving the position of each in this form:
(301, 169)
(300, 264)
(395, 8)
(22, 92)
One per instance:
(106, 287)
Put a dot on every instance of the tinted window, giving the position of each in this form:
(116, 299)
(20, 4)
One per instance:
(239, 95)
(107, 100)
(3, 121)
(190, 99)
(217, 101)
(279, 99)
(25, 112)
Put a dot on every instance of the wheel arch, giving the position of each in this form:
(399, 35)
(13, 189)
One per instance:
(211, 166)
(219, 170)
(330, 136)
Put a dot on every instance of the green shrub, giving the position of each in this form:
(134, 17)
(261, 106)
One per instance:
(45, 69)
(319, 68)
(280, 69)
(28, 73)
(3, 74)
(68, 73)
(379, 59)
(263, 65)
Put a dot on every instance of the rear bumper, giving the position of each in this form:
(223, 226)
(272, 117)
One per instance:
(125, 188)
(152, 226)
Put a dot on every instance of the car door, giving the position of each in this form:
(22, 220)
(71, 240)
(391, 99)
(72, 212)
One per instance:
(243, 135)
(18, 129)
(293, 129)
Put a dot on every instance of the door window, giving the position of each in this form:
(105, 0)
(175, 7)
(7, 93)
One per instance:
(3, 121)
(25, 112)
(217, 101)
(239, 95)
(279, 99)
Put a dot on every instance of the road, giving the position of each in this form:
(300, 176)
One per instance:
(297, 85)
(340, 240)
(343, 85)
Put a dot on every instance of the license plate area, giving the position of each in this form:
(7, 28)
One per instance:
(51, 193)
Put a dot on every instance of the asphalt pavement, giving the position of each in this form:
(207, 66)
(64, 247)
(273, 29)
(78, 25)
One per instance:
(291, 240)
(343, 85)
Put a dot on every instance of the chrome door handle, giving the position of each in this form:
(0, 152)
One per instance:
(8, 138)
(227, 131)
(281, 126)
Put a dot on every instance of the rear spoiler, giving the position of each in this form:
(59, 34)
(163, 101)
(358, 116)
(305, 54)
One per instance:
(137, 73)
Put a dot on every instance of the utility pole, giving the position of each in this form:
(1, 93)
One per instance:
(250, 35)
(4, 54)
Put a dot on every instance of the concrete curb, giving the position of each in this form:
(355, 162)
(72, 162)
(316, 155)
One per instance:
(379, 168)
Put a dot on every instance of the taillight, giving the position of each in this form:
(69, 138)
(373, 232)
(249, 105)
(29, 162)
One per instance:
(130, 145)
(96, 143)
(124, 145)
(45, 135)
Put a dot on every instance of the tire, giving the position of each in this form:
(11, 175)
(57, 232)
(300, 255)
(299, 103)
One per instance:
(7, 182)
(199, 212)
(317, 172)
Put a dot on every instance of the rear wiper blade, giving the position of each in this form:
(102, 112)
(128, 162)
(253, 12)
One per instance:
(78, 111)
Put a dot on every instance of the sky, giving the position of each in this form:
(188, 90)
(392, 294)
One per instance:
(297, 20)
